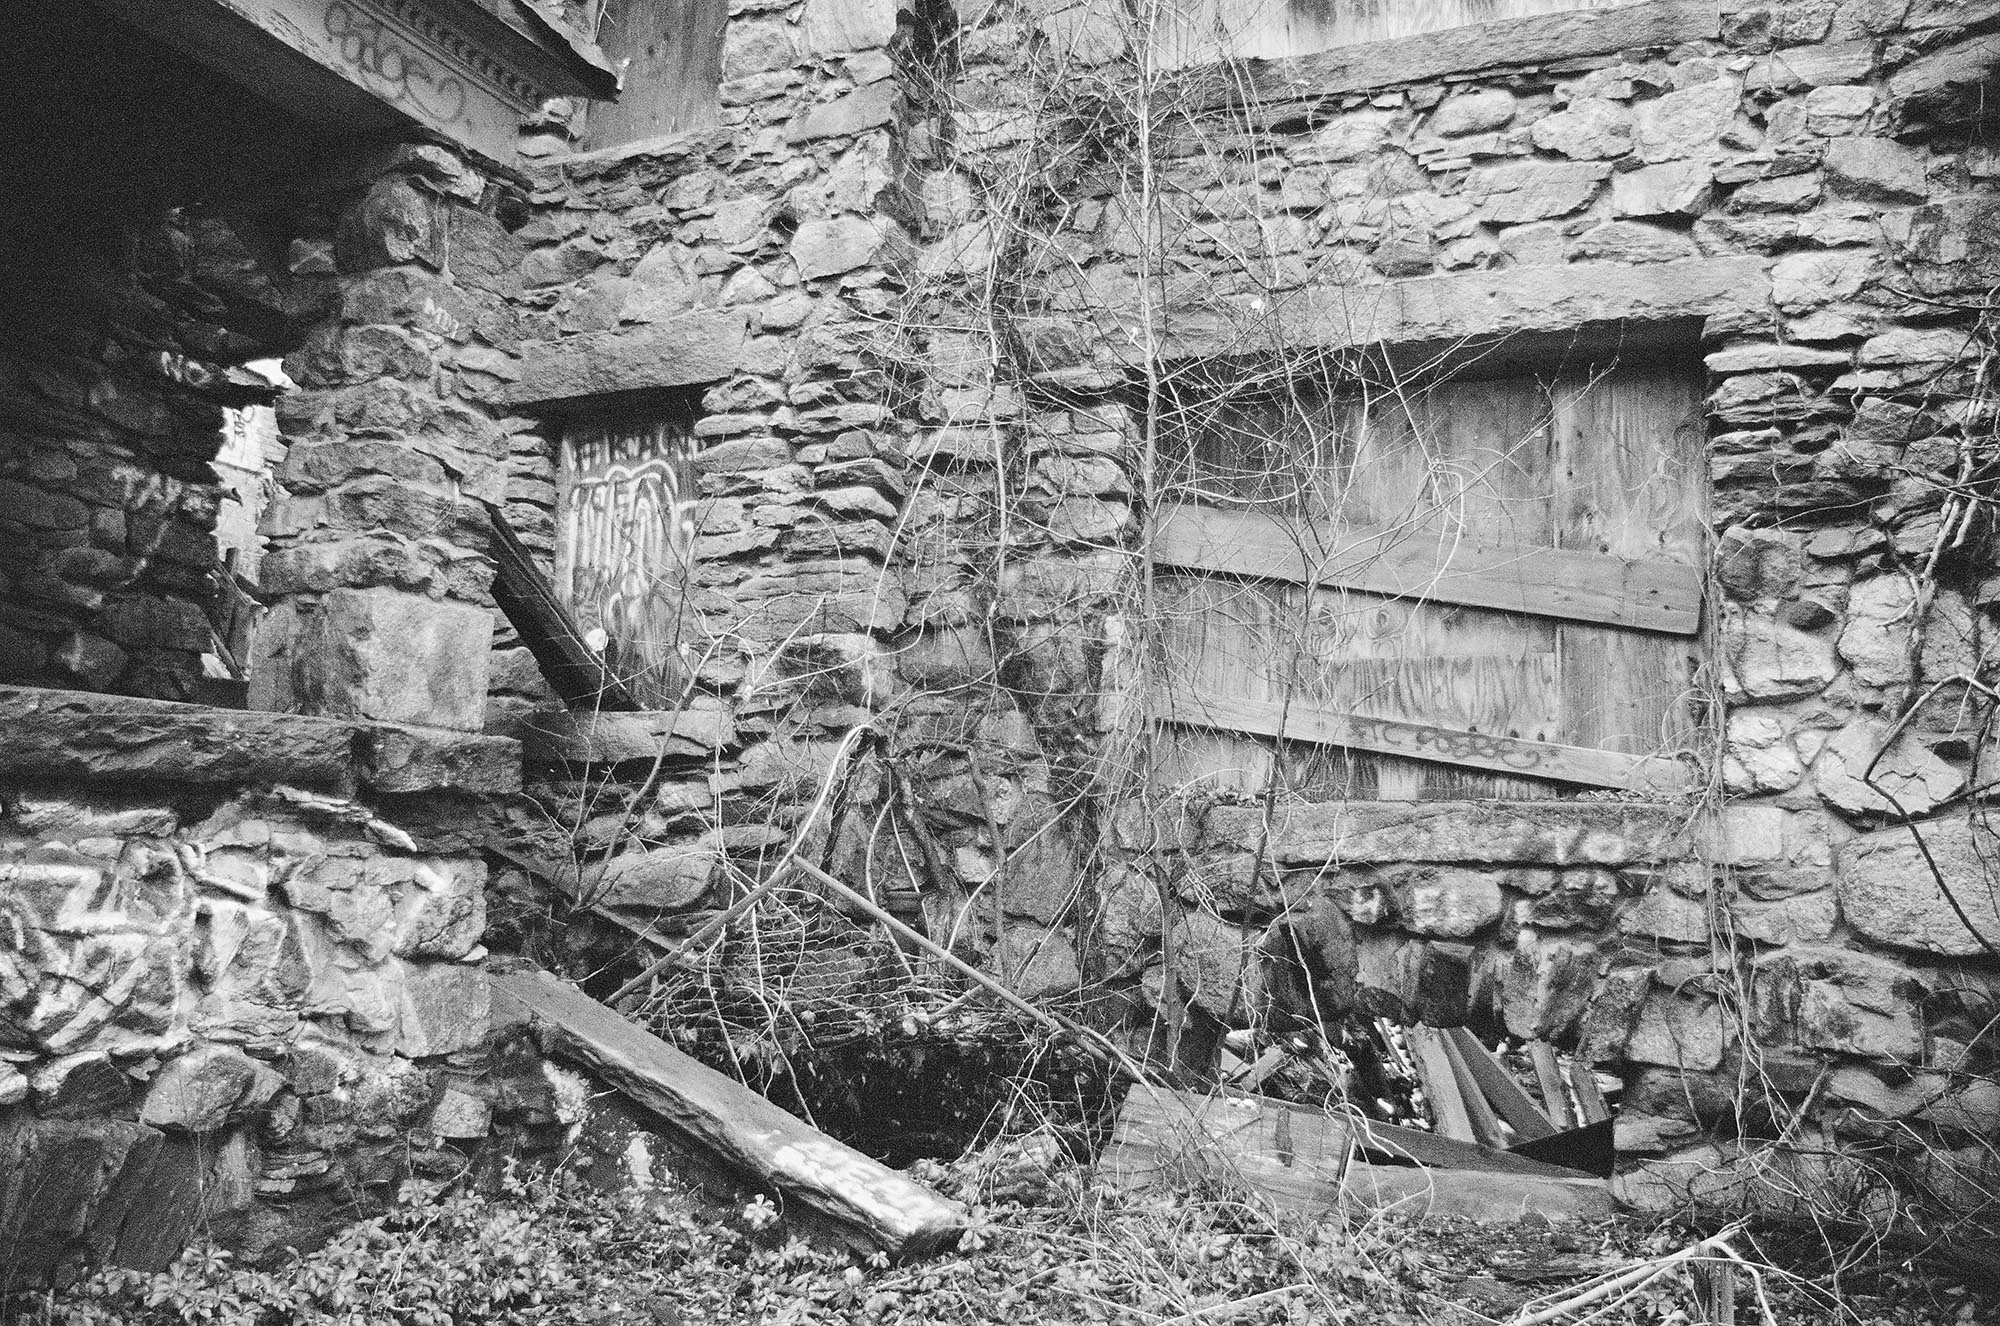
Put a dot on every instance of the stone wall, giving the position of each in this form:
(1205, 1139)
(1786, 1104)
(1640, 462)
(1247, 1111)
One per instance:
(377, 566)
(922, 293)
(113, 373)
(1796, 180)
(240, 984)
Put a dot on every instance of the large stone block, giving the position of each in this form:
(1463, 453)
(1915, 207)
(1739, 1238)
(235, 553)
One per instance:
(698, 347)
(833, 27)
(378, 654)
(206, 1088)
(1889, 894)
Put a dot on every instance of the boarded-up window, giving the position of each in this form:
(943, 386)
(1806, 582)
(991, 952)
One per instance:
(1472, 588)
(624, 537)
(1205, 31)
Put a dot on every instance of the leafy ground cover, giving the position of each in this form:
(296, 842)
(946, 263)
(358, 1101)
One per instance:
(1050, 1247)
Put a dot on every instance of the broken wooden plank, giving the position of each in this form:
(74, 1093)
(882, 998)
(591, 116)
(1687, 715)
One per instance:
(1448, 1113)
(1438, 567)
(1506, 1096)
(1589, 1096)
(574, 671)
(1548, 1074)
(899, 1215)
(1486, 1127)
(1304, 1160)
(1421, 741)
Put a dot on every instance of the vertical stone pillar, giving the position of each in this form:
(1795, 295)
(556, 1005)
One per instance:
(378, 541)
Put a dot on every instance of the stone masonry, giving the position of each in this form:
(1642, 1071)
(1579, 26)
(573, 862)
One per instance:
(916, 294)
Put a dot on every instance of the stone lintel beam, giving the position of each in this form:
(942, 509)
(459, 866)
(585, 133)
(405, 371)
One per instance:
(1427, 57)
(566, 736)
(1544, 833)
(78, 736)
(690, 350)
(1454, 309)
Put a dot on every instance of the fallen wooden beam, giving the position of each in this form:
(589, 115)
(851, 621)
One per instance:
(1307, 1161)
(724, 1117)
(520, 590)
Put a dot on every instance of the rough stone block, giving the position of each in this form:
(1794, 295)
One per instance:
(1681, 188)
(699, 347)
(385, 655)
(1679, 1030)
(866, 108)
(205, 1089)
(1877, 170)
(1889, 895)
(662, 878)
(834, 27)
(1444, 902)
(442, 1008)
(1481, 833)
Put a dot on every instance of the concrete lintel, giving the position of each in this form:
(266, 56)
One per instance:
(1481, 305)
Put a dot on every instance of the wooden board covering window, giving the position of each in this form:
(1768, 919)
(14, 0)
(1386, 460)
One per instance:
(624, 535)
(1602, 463)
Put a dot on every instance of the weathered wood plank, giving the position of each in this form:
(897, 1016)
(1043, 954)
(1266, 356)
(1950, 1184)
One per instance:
(1590, 1103)
(1443, 567)
(900, 1215)
(1555, 1092)
(1513, 1104)
(1486, 1126)
(1540, 39)
(1303, 1160)
(1626, 444)
(1541, 759)
(1449, 1114)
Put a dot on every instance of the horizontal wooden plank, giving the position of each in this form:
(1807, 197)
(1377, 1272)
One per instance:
(1419, 741)
(1539, 39)
(1441, 568)
(731, 1121)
